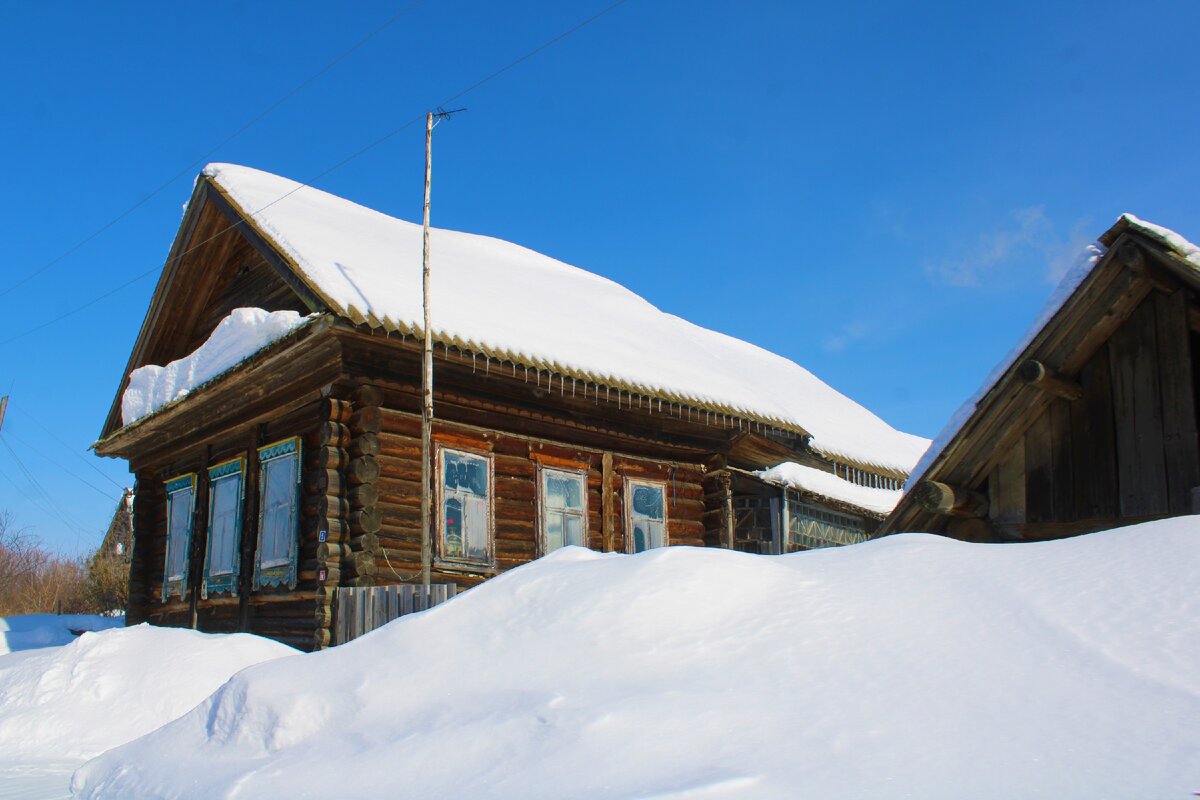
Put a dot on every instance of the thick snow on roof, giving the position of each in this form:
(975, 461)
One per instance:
(826, 484)
(913, 666)
(498, 298)
(238, 336)
(1070, 282)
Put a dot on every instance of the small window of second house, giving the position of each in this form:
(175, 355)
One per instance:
(646, 518)
(223, 556)
(465, 495)
(278, 507)
(564, 509)
(181, 503)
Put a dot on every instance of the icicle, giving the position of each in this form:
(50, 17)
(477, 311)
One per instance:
(572, 386)
(472, 362)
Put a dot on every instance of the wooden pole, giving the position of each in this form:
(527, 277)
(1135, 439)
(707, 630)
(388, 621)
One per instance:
(427, 380)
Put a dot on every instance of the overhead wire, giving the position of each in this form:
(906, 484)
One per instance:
(57, 463)
(339, 164)
(55, 509)
(72, 450)
(204, 158)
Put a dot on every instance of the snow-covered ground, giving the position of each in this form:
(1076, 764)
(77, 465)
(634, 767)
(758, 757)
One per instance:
(61, 705)
(910, 667)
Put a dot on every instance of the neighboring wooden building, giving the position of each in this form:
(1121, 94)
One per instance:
(1092, 423)
(568, 411)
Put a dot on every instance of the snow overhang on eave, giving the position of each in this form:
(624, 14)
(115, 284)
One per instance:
(116, 443)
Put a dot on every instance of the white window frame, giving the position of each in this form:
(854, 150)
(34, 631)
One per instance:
(544, 511)
(630, 515)
(465, 561)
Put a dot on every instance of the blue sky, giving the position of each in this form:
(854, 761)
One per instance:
(883, 193)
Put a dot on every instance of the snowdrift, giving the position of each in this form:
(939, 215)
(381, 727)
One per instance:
(913, 666)
(32, 631)
(107, 688)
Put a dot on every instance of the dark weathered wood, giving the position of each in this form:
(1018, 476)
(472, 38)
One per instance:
(1039, 470)
(1007, 486)
(1181, 445)
(606, 499)
(1093, 443)
(1062, 482)
(1037, 374)
(365, 444)
(1137, 404)
(364, 470)
(953, 501)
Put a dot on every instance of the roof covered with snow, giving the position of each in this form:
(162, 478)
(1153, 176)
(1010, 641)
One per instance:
(1091, 255)
(514, 304)
(826, 484)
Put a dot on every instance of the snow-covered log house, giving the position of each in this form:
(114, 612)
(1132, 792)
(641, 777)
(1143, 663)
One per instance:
(271, 414)
(1091, 420)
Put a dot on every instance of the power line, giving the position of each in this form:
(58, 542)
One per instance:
(190, 168)
(338, 165)
(72, 450)
(56, 463)
(56, 510)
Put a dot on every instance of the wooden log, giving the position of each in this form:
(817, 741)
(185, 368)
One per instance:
(1037, 374)
(362, 471)
(364, 496)
(606, 498)
(327, 458)
(365, 444)
(359, 565)
(333, 434)
(337, 410)
(367, 420)
(941, 498)
(323, 481)
(366, 542)
(365, 520)
(336, 530)
(367, 395)
(332, 551)
(324, 506)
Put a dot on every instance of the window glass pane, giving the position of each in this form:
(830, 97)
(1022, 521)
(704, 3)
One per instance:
(179, 520)
(648, 501)
(452, 522)
(655, 533)
(639, 537)
(574, 530)
(554, 530)
(557, 486)
(223, 533)
(278, 498)
(464, 473)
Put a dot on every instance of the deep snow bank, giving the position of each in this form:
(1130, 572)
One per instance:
(32, 631)
(107, 688)
(914, 666)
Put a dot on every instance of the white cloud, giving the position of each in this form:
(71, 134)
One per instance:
(1028, 235)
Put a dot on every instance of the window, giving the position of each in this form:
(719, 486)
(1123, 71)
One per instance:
(181, 503)
(564, 509)
(811, 527)
(465, 527)
(278, 498)
(224, 527)
(647, 526)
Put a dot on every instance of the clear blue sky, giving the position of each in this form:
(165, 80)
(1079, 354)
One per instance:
(883, 193)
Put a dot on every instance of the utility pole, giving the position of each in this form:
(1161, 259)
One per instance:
(427, 470)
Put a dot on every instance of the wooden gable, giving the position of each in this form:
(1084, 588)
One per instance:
(216, 264)
(1093, 426)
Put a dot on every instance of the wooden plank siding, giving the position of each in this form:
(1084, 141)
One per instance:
(1126, 450)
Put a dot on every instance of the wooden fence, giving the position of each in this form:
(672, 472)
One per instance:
(360, 610)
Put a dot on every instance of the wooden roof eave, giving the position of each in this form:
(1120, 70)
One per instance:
(170, 267)
(298, 351)
(1098, 306)
(207, 193)
(743, 476)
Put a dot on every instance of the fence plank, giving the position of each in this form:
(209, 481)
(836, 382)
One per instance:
(361, 610)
